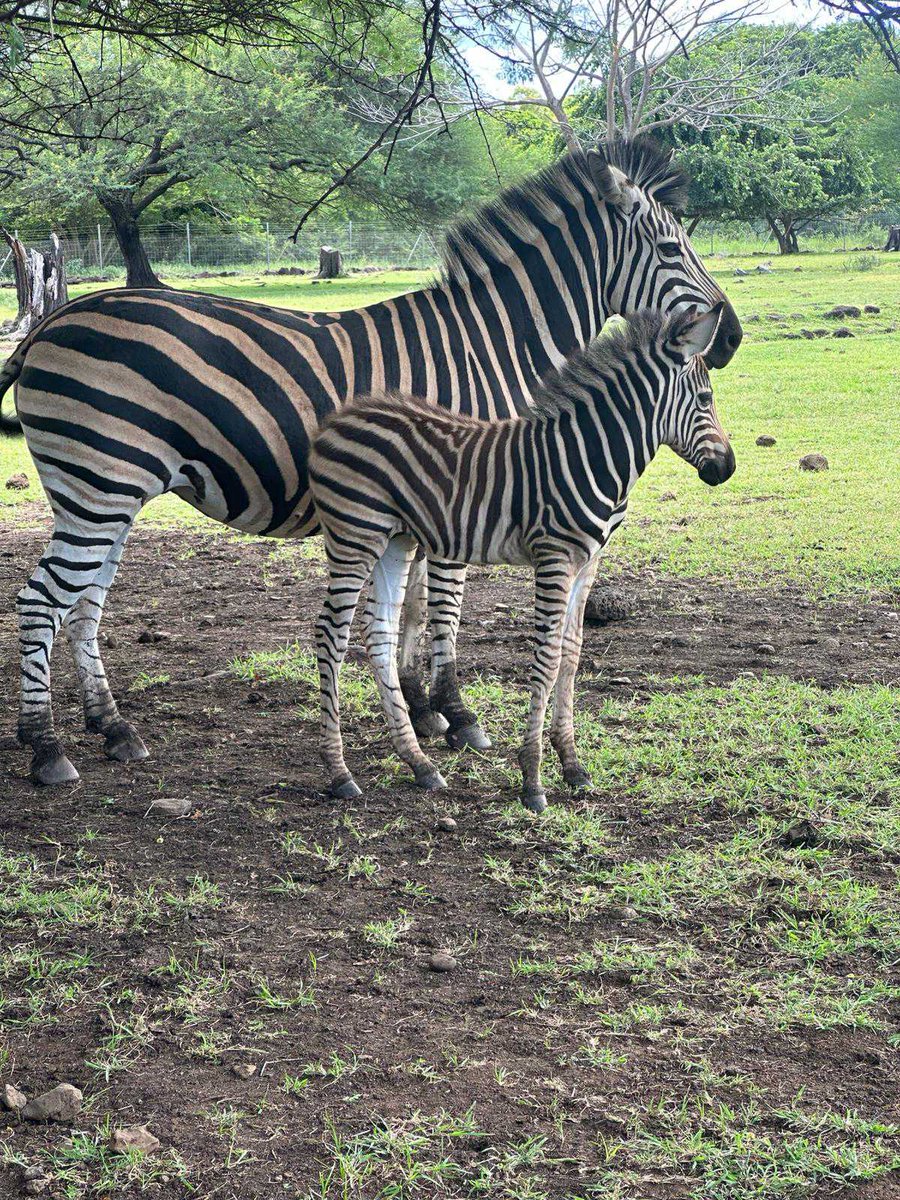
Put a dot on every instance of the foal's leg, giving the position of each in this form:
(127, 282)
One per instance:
(446, 582)
(562, 727)
(382, 630)
(77, 552)
(345, 582)
(426, 722)
(101, 715)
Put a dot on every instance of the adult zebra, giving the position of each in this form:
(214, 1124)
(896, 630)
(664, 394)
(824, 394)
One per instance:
(124, 395)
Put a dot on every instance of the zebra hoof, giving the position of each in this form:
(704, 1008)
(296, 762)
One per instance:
(535, 802)
(431, 781)
(430, 724)
(468, 737)
(578, 780)
(126, 749)
(345, 789)
(51, 772)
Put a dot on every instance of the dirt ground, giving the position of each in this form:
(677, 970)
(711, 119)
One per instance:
(249, 766)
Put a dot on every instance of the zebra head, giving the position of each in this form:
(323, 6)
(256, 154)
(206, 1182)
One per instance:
(656, 267)
(687, 413)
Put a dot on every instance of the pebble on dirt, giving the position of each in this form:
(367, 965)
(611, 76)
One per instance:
(843, 332)
(61, 1103)
(446, 824)
(11, 1098)
(765, 648)
(171, 807)
(872, 309)
(813, 462)
(17, 482)
(803, 835)
(135, 1137)
(243, 1070)
(844, 310)
(442, 962)
(765, 439)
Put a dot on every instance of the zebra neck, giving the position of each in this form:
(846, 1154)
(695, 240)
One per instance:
(615, 436)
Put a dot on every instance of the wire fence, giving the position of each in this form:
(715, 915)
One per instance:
(185, 249)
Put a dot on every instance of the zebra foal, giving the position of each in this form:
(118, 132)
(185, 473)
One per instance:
(547, 489)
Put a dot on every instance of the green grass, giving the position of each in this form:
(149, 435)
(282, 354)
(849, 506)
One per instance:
(835, 531)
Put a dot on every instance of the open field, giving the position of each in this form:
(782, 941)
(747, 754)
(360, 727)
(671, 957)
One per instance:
(685, 986)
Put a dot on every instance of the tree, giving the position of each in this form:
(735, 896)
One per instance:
(880, 17)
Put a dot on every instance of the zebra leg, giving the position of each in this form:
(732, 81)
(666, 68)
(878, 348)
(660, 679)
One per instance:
(426, 722)
(81, 623)
(562, 723)
(75, 554)
(345, 582)
(552, 587)
(445, 592)
(382, 627)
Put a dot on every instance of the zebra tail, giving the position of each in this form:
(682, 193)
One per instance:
(9, 373)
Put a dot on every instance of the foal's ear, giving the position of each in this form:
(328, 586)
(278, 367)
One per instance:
(612, 185)
(688, 334)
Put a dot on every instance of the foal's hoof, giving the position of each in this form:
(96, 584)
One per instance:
(51, 772)
(431, 781)
(578, 780)
(345, 789)
(125, 749)
(535, 802)
(468, 737)
(430, 724)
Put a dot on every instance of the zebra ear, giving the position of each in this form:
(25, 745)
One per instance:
(688, 334)
(612, 186)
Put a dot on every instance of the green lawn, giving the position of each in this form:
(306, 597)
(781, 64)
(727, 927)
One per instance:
(836, 531)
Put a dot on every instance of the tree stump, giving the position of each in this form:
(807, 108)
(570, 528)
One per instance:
(41, 285)
(893, 241)
(331, 264)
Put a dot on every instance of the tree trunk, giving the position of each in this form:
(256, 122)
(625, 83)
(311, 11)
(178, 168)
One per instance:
(119, 205)
(331, 264)
(41, 285)
(893, 241)
(785, 235)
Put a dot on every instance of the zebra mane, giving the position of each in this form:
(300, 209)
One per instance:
(477, 242)
(602, 358)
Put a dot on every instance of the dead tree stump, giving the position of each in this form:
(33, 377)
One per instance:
(893, 241)
(331, 264)
(41, 285)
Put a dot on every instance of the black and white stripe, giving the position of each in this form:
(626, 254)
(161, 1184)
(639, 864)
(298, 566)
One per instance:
(125, 395)
(546, 489)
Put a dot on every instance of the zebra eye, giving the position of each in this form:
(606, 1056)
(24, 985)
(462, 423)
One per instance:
(669, 249)
(704, 399)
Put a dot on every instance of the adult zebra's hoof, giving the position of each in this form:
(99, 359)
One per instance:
(431, 781)
(468, 737)
(52, 771)
(124, 746)
(535, 802)
(430, 724)
(345, 789)
(578, 780)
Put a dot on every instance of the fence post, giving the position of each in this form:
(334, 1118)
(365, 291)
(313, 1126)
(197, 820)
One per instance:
(268, 248)
(99, 247)
(187, 227)
(349, 238)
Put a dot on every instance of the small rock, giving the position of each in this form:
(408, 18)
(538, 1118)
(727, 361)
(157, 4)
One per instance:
(813, 462)
(135, 1137)
(623, 913)
(843, 332)
(807, 333)
(872, 308)
(243, 1070)
(445, 825)
(206, 622)
(110, 641)
(843, 310)
(171, 807)
(803, 834)
(820, 333)
(11, 1098)
(765, 439)
(605, 605)
(34, 1172)
(621, 681)
(831, 643)
(17, 482)
(776, 317)
(442, 962)
(61, 1103)
(765, 648)
(34, 1187)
